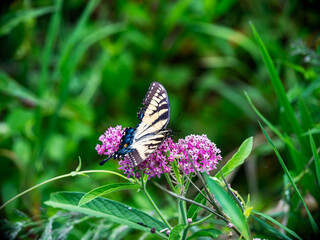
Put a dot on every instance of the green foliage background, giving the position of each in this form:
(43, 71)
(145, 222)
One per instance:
(71, 69)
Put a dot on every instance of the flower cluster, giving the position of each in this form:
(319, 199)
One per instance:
(110, 140)
(199, 149)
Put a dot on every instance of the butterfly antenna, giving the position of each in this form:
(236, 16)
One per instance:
(105, 160)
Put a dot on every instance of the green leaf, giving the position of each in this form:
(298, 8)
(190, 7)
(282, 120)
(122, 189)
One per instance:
(103, 190)
(230, 208)
(10, 230)
(269, 124)
(294, 153)
(314, 130)
(175, 233)
(238, 158)
(48, 49)
(210, 232)
(106, 208)
(194, 209)
(277, 223)
(279, 89)
(47, 233)
(227, 34)
(306, 118)
(10, 87)
(313, 223)
(11, 20)
(315, 156)
(271, 229)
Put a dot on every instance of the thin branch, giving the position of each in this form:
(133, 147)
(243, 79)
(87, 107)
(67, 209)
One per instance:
(205, 187)
(196, 187)
(231, 192)
(200, 221)
(192, 202)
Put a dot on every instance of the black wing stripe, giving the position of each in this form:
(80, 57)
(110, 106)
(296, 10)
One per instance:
(137, 144)
(161, 117)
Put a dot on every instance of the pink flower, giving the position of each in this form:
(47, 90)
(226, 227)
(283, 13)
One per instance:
(110, 140)
(155, 165)
(230, 225)
(199, 149)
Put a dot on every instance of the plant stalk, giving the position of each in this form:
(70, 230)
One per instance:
(144, 190)
(183, 217)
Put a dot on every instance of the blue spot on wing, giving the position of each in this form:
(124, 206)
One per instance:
(127, 138)
(125, 143)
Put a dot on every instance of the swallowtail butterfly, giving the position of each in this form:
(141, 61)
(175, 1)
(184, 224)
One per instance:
(140, 142)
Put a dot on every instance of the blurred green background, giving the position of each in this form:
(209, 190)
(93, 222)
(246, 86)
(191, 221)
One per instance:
(71, 69)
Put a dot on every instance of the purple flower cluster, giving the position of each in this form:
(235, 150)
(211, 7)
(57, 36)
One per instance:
(110, 140)
(199, 149)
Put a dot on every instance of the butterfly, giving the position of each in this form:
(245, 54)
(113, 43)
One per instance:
(140, 142)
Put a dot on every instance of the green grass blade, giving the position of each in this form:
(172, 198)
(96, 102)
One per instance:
(306, 118)
(229, 92)
(269, 124)
(271, 229)
(238, 158)
(175, 13)
(63, 66)
(47, 52)
(313, 223)
(10, 21)
(315, 156)
(277, 223)
(228, 34)
(279, 89)
(286, 140)
(44, 83)
(88, 41)
(12, 88)
(77, 33)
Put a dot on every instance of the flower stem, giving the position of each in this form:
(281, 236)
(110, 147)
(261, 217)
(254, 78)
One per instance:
(72, 174)
(200, 221)
(34, 187)
(183, 217)
(155, 207)
(169, 181)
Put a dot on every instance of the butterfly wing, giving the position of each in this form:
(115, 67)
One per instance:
(139, 142)
(155, 115)
(144, 148)
(156, 111)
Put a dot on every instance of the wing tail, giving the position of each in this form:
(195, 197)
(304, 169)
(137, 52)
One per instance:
(105, 160)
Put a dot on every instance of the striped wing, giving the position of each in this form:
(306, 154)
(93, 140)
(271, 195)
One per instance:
(145, 147)
(155, 115)
(140, 142)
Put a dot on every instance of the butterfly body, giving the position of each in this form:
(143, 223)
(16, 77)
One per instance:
(140, 142)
